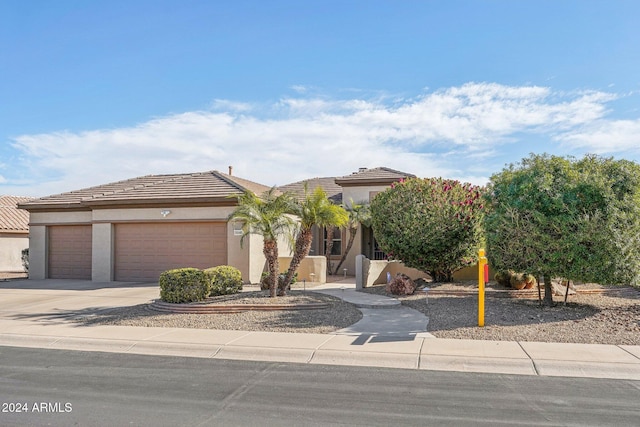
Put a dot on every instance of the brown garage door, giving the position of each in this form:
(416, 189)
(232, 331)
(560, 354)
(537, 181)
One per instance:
(70, 252)
(143, 251)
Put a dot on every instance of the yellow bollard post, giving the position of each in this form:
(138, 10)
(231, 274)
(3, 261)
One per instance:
(482, 261)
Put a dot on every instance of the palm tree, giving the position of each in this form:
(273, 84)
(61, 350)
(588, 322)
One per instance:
(267, 217)
(359, 213)
(314, 209)
(329, 230)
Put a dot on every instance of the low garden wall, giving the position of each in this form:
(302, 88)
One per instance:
(369, 272)
(310, 264)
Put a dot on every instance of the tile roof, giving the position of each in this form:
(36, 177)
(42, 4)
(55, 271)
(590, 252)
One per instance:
(12, 219)
(333, 190)
(380, 175)
(208, 186)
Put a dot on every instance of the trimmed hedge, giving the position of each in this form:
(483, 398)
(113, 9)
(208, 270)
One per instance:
(184, 285)
(224, 280)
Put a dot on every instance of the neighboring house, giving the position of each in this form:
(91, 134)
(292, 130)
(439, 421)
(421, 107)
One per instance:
(133, 230)
(14, 233)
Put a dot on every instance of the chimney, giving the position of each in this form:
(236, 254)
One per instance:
(230, 170)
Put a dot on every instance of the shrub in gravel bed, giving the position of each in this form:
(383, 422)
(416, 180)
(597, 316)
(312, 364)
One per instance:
(184, 285)
(224, 280)
(265, 280)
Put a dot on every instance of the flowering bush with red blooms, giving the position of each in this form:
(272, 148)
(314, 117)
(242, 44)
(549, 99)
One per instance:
(431, 224)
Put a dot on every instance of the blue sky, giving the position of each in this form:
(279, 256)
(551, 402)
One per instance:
(97, 91)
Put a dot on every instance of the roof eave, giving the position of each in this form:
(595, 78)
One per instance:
(162, 201)
(345, 182)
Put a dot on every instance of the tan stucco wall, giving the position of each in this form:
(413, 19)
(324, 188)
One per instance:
(37, 252)
(375, 272)
(246, 256)
(102, 252)
(154, 214)
(360, 194)
(256, 259)
(311, 264)
(41, 218)
(11, 246)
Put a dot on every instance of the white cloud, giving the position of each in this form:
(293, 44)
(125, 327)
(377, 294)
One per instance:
(304, 137)
(606, 137)
(226, 105)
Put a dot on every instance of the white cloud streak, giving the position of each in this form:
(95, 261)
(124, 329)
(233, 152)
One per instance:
(302, 137)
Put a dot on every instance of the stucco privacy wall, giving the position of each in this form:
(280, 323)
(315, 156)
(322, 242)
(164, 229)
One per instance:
(248, 258)
(310, 264)
(11, 246)
(375, 272)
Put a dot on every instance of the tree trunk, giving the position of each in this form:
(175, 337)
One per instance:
(303, 246)
(548, 291)
(329, 248)
(352, 236)
(443, 276)
(270, 251)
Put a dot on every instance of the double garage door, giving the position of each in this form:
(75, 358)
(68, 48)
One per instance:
(141, 250)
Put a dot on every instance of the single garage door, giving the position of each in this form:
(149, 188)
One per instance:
(143, 251)
(70, 252)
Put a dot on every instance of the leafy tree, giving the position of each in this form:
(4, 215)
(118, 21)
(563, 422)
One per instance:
(266, 216)
(431, 224)
(558, 217)
(528, 212)
(359, 213)
(314, 209)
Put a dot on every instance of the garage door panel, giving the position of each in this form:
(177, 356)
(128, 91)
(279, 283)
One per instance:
(69, 252)
(143, 251)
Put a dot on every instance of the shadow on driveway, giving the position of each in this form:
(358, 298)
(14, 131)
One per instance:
(71, 285)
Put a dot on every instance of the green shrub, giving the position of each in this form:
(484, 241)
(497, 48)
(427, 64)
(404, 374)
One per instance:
(433, 225)
(224, 280)
(503, 277)
(522, 281)
(25, 259)
(265, 280)
(184, 285)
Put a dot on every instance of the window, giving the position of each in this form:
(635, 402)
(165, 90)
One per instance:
(337, 242)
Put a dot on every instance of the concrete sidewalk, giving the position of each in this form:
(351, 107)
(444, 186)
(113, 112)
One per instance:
(38, 314)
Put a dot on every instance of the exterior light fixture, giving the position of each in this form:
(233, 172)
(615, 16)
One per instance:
(165, 212)
(237, 229)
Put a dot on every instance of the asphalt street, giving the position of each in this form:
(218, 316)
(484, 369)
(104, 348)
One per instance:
(64, 388)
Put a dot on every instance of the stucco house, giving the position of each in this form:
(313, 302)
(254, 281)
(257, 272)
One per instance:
(358, 187)
(133, 230)
(14, 233)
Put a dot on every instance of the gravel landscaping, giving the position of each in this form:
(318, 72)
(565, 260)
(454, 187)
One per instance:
(587, 318)
(339, 315)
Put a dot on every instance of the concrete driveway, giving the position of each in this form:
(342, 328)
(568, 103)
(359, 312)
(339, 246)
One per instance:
(57, 299)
